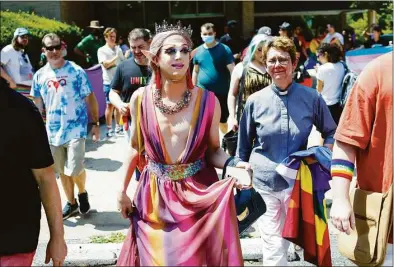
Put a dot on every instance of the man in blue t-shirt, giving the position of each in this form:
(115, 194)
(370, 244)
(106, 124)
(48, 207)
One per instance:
(213, 65)
(64, 88)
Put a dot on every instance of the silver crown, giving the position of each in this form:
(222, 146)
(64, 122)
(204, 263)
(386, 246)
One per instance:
(178, 27)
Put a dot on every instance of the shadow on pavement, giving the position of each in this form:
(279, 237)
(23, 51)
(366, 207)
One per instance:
(90, 146)
(103, 164)
(102, 221)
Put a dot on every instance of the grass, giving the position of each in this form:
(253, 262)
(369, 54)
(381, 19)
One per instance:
(112, 238)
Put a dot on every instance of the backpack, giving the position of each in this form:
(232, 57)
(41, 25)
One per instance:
(347, 84)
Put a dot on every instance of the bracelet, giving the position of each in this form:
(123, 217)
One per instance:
(342, 168)
(232, 162)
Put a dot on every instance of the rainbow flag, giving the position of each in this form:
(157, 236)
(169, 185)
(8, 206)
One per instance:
(306, 221)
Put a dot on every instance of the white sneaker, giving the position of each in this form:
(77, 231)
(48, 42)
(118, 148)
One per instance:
(119, 130)
(110, 132)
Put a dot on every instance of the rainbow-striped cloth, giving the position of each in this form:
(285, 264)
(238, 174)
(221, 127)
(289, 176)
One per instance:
(306, 221)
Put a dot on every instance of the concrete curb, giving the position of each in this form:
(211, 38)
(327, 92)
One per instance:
(107, 254)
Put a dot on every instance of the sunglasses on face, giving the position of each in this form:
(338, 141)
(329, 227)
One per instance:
(24, 36)
(51, 48)
(282, 61)
(172, 51)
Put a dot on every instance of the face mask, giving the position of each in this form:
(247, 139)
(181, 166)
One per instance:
(208, 39)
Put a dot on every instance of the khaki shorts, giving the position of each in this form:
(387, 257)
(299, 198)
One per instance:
(69, 158)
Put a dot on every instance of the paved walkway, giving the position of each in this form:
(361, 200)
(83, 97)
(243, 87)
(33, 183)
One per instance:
(103, 164)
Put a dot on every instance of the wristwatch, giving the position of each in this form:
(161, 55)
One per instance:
(95, 123)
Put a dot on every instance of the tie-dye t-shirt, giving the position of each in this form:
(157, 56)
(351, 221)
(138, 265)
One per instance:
(63, 91)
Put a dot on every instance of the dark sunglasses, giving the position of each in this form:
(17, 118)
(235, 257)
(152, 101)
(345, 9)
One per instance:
(172, 51)
(51, 48)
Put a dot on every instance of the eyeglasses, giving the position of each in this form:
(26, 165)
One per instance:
(51, 48)
(172, 51)
(283, 61)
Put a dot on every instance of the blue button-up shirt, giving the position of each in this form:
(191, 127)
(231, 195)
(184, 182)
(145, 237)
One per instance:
(275, 124)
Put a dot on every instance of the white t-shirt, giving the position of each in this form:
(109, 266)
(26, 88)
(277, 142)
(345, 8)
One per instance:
(17, 65)
(105, 53)
(336, 35)
(238, 69)
(331, 74)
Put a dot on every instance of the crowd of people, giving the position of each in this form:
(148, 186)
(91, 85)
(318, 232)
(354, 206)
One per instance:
(173, 104)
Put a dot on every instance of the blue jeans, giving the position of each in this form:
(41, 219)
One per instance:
(107, 88)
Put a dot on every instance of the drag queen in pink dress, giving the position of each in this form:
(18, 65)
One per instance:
(181, 213)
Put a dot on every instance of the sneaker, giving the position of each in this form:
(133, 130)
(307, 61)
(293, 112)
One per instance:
(69, 210)
(110, 132)
(84, 206)
(119, 130)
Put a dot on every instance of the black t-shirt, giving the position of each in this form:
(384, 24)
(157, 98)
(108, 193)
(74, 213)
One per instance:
(23, 146)
(130, 76)
(372, 42)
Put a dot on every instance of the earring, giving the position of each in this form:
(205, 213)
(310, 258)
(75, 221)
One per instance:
(158, 79)
(189, 80)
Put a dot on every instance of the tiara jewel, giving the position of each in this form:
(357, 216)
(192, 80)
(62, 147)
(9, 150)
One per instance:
(178, 27)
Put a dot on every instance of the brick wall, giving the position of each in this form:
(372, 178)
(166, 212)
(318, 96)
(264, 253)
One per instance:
(49, 9)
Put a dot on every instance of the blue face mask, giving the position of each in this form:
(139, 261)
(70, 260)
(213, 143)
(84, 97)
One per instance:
(208, 38)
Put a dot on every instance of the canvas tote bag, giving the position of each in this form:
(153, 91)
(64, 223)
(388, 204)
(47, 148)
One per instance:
(367, 243)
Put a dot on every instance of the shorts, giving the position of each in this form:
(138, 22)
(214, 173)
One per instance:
(107, 89)
(224, 108)
(20, 259)
(69, 158)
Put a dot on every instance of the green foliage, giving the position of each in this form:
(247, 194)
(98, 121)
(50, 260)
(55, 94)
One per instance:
(112, 238)
(384, 16)
(38, 26)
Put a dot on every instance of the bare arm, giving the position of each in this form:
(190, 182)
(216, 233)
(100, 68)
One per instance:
(341, 185)
(79, 52)
(341, 211)
(110, 63)
(320, 85)
(114, 98)
(38, 102)
(94, 113)
(232, 95)
(216, 156)
(50, 197)
(92, 106)
(7, 77)
(131, 159)
(196, 69)
(230, 67)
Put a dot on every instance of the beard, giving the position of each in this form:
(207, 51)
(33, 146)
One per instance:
(19, 46)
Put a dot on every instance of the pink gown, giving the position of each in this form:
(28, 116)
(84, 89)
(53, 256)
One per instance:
(190, 221)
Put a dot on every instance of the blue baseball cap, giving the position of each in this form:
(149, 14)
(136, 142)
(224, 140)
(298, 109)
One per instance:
(20, 32)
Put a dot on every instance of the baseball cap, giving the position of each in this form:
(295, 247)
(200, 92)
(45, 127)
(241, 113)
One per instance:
(285, 26)
(265, 30)
(20, 32)
(232, 23)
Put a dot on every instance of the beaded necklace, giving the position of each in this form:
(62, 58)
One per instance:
(181, 104)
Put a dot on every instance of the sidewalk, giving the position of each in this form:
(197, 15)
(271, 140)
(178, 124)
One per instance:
(103, 164)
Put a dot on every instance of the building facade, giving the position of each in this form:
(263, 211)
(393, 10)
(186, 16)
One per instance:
(251, 15)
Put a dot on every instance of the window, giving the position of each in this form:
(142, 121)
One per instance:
(196, 9)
